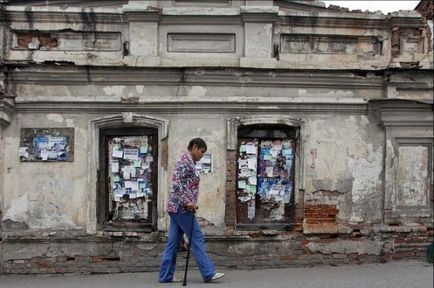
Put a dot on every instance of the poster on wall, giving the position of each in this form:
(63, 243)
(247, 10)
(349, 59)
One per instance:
(47, 145)
(130, 175)
(204, 166)
(265, 179)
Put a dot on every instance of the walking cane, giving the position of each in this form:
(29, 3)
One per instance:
(184, 282)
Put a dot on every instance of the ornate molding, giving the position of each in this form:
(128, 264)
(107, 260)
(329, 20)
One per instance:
(112, 17)
(233, 124)
(193, 107)
(6, 113)
(204, 77)
(134, 119)
(142, 16)
(126, 119)
(401, 113)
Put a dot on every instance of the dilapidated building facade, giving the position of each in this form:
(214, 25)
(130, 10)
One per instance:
(318, 122)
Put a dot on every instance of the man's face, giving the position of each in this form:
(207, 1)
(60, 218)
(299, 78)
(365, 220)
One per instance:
(197, 153)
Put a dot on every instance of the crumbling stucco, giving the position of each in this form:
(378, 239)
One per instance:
(347, 247)
(345, 162)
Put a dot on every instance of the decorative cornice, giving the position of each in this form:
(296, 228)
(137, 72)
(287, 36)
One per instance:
(258, 14)
(258, 18)
(193, 76)
(333, 22)
(233, 124)
(58, 16)
(407, 22)
(411, 85)
(6, 113)
(353, 22)
(133, 119)
(200, 20)
(142, 16)
(196, 107)
(245, 14)
(404, 113)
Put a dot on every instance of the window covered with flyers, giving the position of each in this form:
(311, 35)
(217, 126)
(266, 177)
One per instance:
(129, 179)
(265, 180)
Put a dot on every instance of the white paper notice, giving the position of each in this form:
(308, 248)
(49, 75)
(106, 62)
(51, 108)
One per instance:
(274, 191)
(206, 159)
(243, 163)
(115, 166)
(131, 170)
(128, 184)
(252, 180)
(251, 210)
(52, 155)
(54, 141)
(250, 149)
(274, 152)
(269, 171)
(44, 155)
(245, 173)
(252, 163)
(145, 165)
(134, 186)
(23, 152)
(131, 154)
(128, 172)
(117, 153)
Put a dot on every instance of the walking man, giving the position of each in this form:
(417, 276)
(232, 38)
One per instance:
(181, 206)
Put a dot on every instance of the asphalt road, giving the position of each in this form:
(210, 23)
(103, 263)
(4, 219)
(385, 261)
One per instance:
(399, 274)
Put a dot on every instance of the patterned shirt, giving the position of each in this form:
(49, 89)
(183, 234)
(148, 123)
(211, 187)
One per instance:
(185, 184)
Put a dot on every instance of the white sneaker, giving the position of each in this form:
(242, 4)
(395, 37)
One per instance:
(217, 276)
(176, 279)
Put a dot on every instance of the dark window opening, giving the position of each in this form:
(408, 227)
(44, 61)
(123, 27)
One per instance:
(265, 178)
(128, 179)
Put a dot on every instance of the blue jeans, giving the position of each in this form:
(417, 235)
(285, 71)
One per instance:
(180, 223)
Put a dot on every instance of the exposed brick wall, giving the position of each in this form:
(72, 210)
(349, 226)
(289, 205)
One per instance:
(406, 242)
(231, 177)
(320, 218)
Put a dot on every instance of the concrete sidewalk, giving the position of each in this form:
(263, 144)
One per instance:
(400, 274)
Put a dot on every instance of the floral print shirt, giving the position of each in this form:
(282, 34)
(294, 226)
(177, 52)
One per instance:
(185, 184)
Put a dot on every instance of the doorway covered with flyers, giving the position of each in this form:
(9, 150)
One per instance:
(128, 179)
(265, 175)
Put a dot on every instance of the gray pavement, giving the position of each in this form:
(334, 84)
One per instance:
(399, 274)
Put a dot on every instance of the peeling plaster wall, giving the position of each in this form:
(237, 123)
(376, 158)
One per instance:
(344, 166)
(347, 247)
(413, 169)
(348, 163)
(51, 195)
(212, 186)
(37, 199)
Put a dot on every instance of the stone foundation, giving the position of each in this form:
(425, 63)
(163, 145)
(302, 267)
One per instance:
(53, 253)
